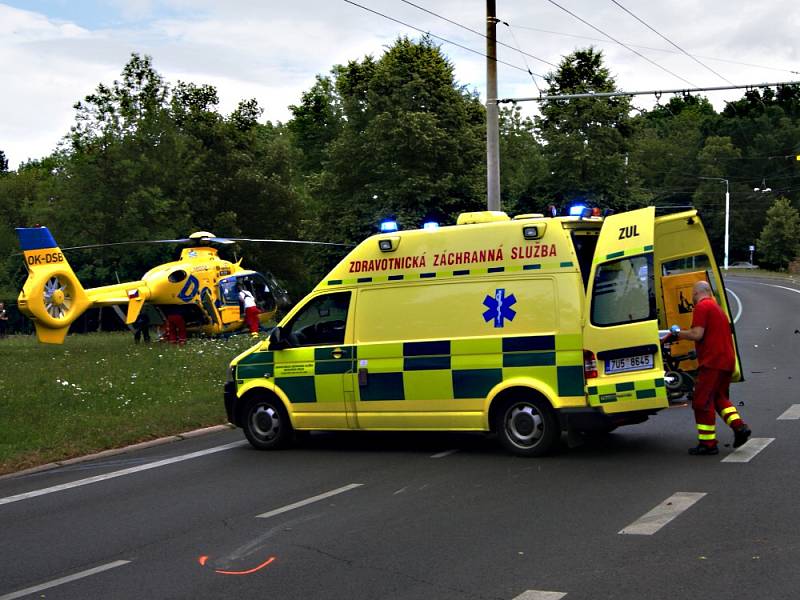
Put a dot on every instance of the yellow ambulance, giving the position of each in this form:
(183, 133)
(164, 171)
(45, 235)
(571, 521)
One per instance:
(524, 327)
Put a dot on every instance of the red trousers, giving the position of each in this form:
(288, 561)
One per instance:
(251, 318)
(176, 329)
(710, 397)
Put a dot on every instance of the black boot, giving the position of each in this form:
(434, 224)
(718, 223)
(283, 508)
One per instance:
(703, 450)
(740, 435)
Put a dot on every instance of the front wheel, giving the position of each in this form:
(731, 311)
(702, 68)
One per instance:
(527, 427)
(266, 424)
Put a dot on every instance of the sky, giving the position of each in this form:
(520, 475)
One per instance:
(55, 52)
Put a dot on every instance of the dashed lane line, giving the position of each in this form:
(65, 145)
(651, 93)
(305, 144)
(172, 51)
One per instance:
(539, 595)
(746, 452)
(791, 414)
(63, 580)
(662, 514)
(120, 473)
(308, 501)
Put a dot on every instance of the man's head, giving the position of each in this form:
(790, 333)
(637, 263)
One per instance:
(701, 290)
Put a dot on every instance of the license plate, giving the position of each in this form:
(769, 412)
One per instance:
(629, 363)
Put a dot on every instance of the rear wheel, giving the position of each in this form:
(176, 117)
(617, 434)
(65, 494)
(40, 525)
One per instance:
(527, 426)
(266, 424)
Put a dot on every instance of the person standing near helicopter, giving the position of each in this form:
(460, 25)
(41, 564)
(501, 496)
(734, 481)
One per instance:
(251, 311)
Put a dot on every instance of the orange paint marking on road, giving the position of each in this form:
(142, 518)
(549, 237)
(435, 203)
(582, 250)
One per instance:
(249, 571)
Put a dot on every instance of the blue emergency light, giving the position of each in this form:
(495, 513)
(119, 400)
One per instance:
(430, 225)
(388, 225)
(576, 210)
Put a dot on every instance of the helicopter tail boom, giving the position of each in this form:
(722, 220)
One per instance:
(52, 296)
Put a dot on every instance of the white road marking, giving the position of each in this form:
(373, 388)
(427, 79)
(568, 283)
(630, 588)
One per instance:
(445, 453)
(783, 287)
(539, 595)
(791, 414)
(738, 301)
(746, 452)
(663, 513)
(62, 580)
(114, 474)
(307, 501)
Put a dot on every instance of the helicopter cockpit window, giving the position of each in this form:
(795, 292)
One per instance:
(321, 322)
(228, 291)
(256, 284)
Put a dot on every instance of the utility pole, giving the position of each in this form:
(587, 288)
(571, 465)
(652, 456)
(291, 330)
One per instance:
(492, 113)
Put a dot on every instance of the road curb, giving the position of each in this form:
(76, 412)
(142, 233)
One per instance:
(114, 451)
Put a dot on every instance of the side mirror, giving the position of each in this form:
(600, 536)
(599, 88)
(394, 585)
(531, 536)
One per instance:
(277, 341)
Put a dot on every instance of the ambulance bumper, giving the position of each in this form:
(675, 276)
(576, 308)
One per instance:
(230, 401)
(594, 419)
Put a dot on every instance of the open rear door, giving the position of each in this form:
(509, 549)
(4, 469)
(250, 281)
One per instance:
(683, 252)
(621, 328)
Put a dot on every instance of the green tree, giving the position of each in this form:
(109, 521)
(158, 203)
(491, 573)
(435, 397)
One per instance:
(409, 142)
(523, 167)
(3, 163)
(779, 242)
(586, 139)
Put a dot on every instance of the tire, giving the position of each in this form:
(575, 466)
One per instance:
(266, 424)
(527, 426)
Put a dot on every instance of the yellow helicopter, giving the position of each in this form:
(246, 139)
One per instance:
(200, 289)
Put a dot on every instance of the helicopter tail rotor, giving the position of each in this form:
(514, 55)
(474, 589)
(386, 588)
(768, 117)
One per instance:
(52, 296)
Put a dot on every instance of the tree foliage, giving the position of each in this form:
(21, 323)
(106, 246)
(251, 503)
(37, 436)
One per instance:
(779, 242)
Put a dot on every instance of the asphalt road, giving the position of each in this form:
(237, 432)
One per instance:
(436, 516)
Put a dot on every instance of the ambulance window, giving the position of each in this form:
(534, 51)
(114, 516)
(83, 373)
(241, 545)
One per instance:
(321, 322)
(623, 292)
(584, 243)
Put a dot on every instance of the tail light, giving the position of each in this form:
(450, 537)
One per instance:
(589, 365)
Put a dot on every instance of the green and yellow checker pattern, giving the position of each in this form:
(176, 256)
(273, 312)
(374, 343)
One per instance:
(310, 374)
(629, 390)
(426, 370)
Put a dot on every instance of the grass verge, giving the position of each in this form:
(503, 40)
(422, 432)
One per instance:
(100, 391)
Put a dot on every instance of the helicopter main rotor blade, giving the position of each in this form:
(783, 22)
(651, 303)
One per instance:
(289, 242)
(181, 241)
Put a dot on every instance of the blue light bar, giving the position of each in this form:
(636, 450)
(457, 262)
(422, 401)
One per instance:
(430, 225)
(576, 210)
(388, 225)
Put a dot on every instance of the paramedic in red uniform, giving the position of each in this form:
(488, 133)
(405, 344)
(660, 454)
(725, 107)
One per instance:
(251, 311)
(711, 333)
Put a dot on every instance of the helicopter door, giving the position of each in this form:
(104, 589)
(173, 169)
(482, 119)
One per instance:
(228, 301)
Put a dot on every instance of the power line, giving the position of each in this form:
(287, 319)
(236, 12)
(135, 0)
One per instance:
(593, 39)
(656, 93)
(617, 41)
(513, 37)
(433, 35)
(475, 31)
(673, 43)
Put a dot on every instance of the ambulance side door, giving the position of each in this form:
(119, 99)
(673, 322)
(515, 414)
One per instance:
(316, 371)
(620, 326)
(683, 255)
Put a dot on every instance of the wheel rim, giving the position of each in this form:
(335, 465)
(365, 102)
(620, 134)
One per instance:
(524, 425)
(265, 422)
(57, 297)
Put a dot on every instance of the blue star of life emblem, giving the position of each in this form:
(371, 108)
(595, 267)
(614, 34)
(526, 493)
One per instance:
(499, 307)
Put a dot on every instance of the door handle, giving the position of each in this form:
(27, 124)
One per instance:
(337, 353)
(362, 377)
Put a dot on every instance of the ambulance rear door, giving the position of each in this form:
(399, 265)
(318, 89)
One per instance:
(682, 256)
(620, 328)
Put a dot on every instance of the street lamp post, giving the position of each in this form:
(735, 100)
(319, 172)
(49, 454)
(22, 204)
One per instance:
(727, 214)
